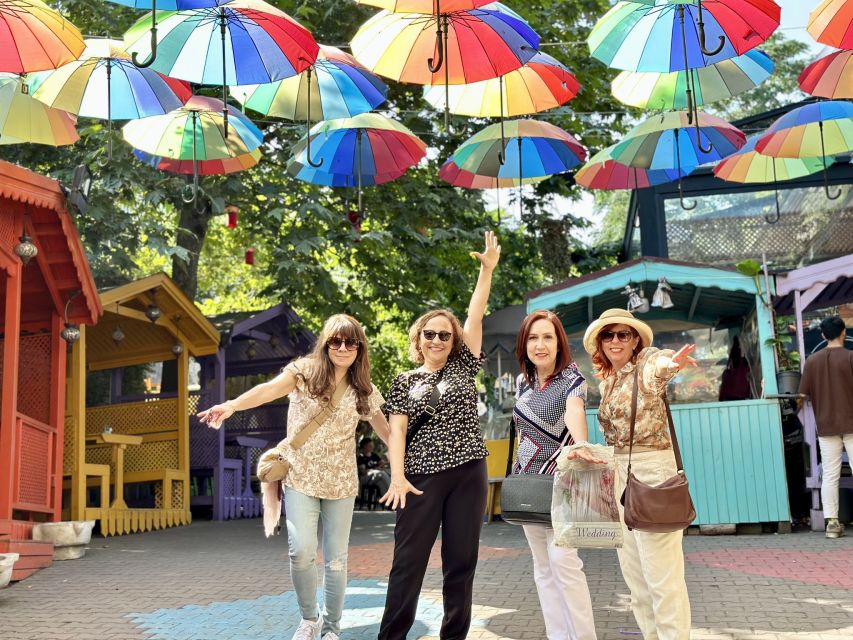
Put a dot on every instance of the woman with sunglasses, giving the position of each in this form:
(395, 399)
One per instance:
(652, 563)
(437, 455)
(323, 480)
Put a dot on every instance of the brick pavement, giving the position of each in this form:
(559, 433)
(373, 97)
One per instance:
(225, 580)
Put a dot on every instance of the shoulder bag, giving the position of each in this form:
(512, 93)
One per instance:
(525, 498)
(666, 507)
(429, 411)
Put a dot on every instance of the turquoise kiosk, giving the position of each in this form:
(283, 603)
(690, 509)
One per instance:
(733, 450)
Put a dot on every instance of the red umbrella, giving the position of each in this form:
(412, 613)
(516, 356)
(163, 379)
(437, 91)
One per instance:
(830, 76)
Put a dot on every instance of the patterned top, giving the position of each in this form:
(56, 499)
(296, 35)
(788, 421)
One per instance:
(452, 436)
(324, 467)
(651, 428)
(539, 417)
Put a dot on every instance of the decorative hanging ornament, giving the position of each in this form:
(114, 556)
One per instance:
(637, 301)
(250, 256)
(25, 249)
(251, 351)
(71, 333)
(153, 312)
(274, 341)
(117, 334)
(662, 295)
(177, 348)
(232, 212)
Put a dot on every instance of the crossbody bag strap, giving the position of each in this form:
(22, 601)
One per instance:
(672, 435)
(633, 415)
(428, 412)
(511, 449)
(317, 421)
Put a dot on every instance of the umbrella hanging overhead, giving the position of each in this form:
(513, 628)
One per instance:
(831, 22)
(719, 81)
(34, 37)
(242, 42)
(425, 6)
(603, 172)
(106, 85)
(25, 119)
(203, 167)
(452, 174)
(749, 166)
(307, 173)
(830, 76)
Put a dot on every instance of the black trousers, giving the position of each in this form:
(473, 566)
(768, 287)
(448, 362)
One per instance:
(453, 499)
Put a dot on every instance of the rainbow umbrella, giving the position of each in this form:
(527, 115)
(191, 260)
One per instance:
(452, 174)
(470, 46)
(436, 7)
(106, 85)
(749, 166)
(343, 88)
(665, 142)
(814, 130)
(832, 23)
(242, 42)
(719, 81)
(25, 119)
(603, 172)
(365, 145)
(307, 173)
(34, 37)
(830, 76)
(194, 132)
(203, 167)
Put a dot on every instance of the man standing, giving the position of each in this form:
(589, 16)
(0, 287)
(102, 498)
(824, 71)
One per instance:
(828, 382)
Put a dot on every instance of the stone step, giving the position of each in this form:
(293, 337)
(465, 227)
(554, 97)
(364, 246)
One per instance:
(34, 556)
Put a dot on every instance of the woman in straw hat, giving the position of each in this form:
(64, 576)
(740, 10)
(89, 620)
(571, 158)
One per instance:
(652, 563)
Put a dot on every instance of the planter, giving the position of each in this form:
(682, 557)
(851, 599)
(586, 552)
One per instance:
(7, 562)
(788, 382)
(69, 538)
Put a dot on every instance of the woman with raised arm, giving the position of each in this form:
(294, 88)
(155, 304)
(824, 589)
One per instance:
(438, 466)
(323, 480)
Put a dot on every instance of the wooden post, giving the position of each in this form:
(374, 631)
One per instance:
(58, 352)
(9, 410)
(183, 429)
(77, 410)
(217, 398)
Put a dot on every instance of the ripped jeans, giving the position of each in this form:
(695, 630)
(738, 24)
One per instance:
(303, 513)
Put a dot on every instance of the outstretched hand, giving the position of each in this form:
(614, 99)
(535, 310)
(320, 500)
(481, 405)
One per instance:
(492, 253)
(216, 415)
(396, 495)
(682, 356)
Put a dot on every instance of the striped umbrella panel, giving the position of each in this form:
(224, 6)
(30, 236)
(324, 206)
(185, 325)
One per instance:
(203, 167)
(451, 173)
(425, 6)
(324, 178)
(603, 172)
(830, 76)
(831, 22)
(747, 165)
(34, 37)
(382, 151)
(813, 130)
(23, 119)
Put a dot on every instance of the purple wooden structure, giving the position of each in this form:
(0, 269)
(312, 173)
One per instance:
(222, 462)
(817, 286)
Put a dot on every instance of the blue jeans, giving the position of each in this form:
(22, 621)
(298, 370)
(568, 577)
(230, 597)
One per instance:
(303, 513)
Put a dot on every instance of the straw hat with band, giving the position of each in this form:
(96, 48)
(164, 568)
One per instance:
(616, 316)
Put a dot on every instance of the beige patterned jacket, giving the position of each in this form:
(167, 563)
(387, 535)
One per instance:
(656, 369)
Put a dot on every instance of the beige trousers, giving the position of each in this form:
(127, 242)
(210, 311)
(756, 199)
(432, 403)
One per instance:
(653, 563)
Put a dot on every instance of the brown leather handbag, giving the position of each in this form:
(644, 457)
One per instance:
(666, 507)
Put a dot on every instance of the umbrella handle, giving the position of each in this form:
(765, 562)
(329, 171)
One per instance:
(699, 138)
(135, 58)
(501, 156)
(775, 219)
(188, 193)
(829, 195)
(438, 42)
(678, 163)
(682, 201)
(316, 165)
(702, 41)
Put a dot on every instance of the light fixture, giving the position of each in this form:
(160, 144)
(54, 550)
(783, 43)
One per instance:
(117, 334)
(662, 297)
(153, 312)
(637, 301)
(274, 342)
(251, 351)
(25, 249)
(177, 348)
(71, 332)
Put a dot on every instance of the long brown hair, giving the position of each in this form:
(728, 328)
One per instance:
(602, 365)
(415, 353)
(319, 377)
(564, 353)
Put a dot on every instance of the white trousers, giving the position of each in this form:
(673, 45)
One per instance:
(561, 584)
(830, 455)
(653, 563)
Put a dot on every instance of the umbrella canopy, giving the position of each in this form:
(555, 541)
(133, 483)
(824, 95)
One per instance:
(719, 81)
(34, 37)
(542, 83)
(335, 86)
(649, 35)
(25, 119)
(830, 76)
(307, 173)
(603, 172)
(832, 23)
(451, 173)
(426, 6)
(204, 167)
(813, 130)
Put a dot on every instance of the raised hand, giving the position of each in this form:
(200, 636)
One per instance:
(492, 253)
(682, 356)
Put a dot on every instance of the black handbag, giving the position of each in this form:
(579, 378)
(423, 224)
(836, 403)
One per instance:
(525, 498)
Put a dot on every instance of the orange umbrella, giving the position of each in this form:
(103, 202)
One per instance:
(34, 37)
(832, 23)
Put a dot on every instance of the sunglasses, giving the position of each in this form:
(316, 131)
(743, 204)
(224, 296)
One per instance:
(430, 335)
(351, 344)
(623, 336)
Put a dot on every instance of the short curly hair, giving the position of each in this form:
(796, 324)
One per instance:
(415, 353)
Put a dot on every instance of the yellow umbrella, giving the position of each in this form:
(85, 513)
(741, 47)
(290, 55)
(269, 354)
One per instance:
(25, 119)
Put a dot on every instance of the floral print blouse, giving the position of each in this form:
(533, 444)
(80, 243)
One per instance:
(651, 428)
(324, 467)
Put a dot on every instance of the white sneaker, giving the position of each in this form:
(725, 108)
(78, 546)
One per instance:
(331, 636)
(309, 629)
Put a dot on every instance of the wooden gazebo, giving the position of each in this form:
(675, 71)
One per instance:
(39, 297)
(135, 439)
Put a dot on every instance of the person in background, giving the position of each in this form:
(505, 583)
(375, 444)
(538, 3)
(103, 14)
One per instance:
(372, 469)
(828, 382)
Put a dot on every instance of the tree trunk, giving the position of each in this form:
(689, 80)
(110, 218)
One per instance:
(192, 230)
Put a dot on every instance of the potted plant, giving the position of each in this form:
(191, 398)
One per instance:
(787, 358)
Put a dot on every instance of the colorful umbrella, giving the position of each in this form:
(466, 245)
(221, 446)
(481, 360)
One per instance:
(25, 119)
(603, 172)
(242, 42)
(435, 7)
(747, 165)
(343, 88)
(469, 46)
(830, 76)
(194, 132)
(814, 130)
(307, 173)
(720, 81)
(203, 167)
(832, 23)
(368, 144)
(451, 173)
(34, 37)
(105, 84)
(665, 142)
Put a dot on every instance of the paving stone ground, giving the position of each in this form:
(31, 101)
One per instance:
(225, 580)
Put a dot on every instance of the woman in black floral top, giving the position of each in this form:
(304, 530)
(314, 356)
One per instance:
(442, 465)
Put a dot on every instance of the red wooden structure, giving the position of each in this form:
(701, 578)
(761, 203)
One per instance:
(35, 297)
